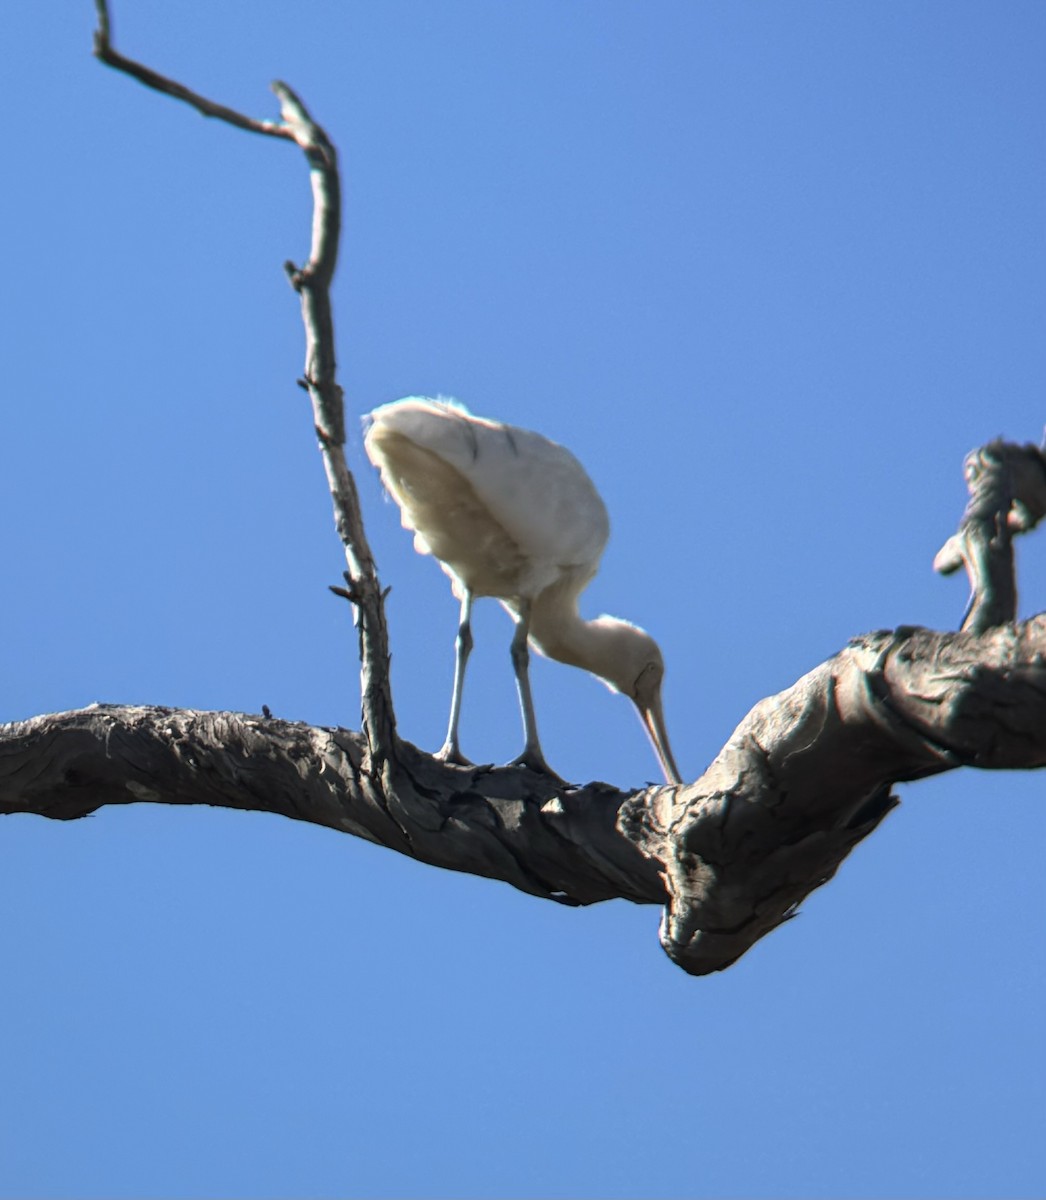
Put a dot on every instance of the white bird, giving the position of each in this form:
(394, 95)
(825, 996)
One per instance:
(512, 515)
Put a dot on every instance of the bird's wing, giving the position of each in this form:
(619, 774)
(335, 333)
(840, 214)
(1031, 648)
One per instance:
(535, 489)
(448, 519)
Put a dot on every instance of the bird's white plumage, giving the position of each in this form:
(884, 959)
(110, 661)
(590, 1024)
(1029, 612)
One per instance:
(510, 514)
(533, 488)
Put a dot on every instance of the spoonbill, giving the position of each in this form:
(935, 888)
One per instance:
(510, 514)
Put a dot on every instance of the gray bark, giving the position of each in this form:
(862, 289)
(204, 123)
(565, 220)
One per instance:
(805, 777)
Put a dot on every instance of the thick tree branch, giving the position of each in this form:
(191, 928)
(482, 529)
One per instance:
(805, 777)
(506, 824)
(807, 774)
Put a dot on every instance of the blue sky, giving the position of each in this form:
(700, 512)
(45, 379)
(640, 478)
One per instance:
(770, 270)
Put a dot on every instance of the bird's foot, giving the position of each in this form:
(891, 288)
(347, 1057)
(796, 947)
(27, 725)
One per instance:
(534, 761)
(450, 752)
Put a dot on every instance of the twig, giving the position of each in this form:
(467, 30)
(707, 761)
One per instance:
(105, 53)
(312, 283)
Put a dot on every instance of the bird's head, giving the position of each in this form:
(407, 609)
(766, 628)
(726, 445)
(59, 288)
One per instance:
(636, 668)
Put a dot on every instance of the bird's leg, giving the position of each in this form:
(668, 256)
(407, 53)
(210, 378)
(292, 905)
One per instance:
(451, 750)
(531, 756)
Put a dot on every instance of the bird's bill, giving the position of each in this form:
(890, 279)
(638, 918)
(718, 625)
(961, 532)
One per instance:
(653, 718)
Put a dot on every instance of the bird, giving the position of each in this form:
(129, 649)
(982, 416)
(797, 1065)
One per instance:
(509, 514)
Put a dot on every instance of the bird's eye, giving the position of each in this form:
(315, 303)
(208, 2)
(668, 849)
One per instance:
(648, 679)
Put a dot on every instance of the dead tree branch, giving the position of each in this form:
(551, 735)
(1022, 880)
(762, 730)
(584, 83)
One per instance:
(312, 283)
(1007, 486)
(805, 777)
(103, 50)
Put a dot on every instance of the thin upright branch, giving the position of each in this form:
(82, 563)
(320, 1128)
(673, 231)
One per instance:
(312, 282)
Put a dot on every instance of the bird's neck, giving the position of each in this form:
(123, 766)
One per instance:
(559, 631)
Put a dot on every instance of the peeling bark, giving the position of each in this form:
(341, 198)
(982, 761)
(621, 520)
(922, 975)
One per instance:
(807, 775)
(804, 778)
(503, 823)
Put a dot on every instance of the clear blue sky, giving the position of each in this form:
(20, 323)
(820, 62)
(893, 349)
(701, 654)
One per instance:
(770, 270)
